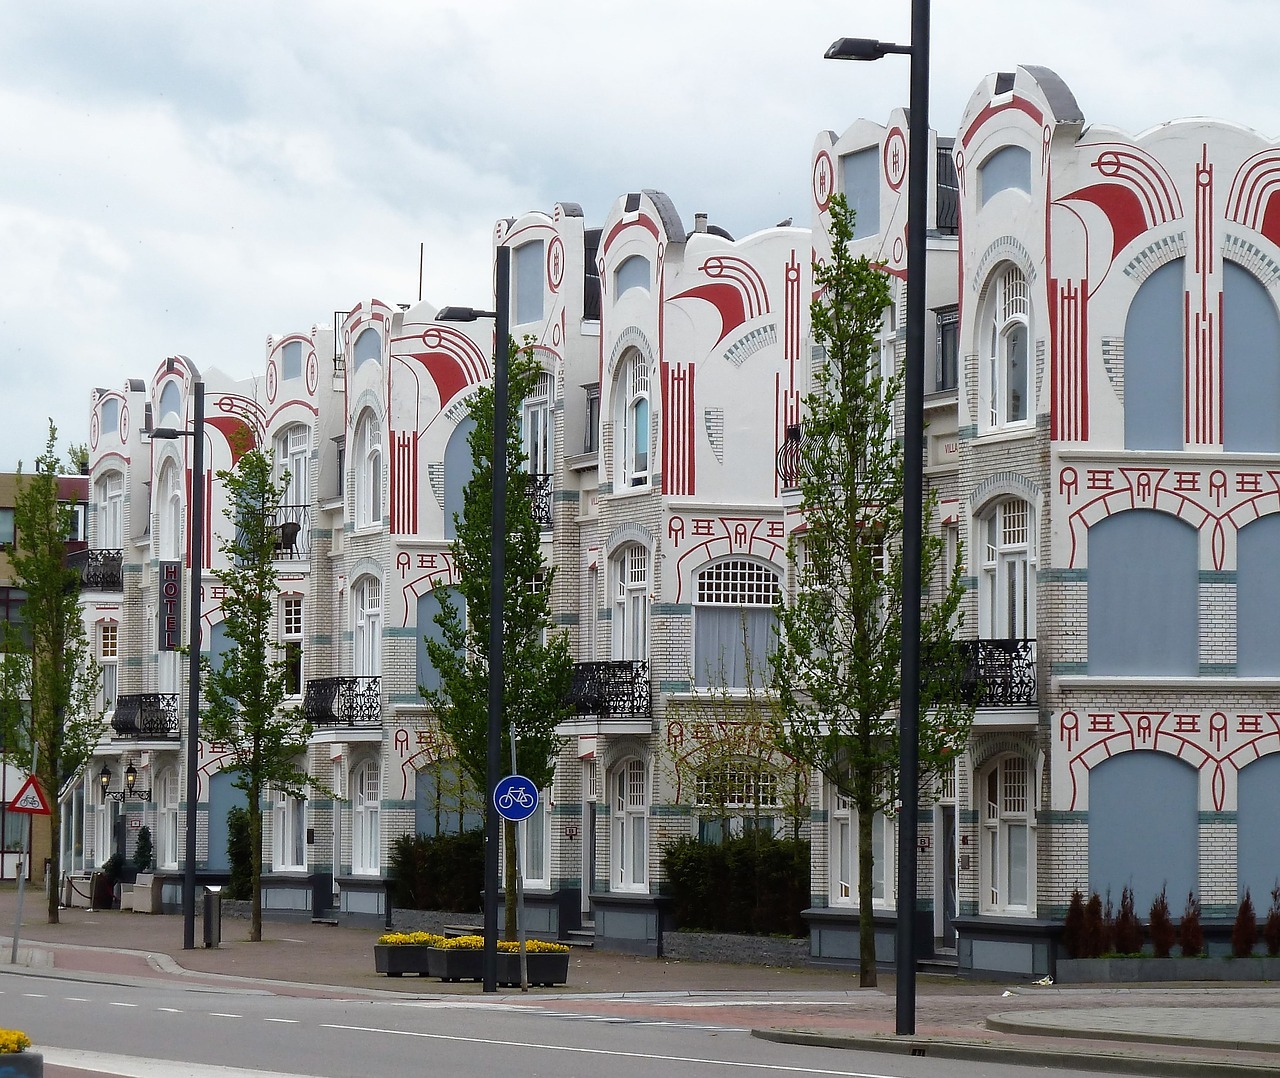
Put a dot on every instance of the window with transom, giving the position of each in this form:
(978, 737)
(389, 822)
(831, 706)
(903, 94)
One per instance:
(632, 424)
(291, 641)
(844, 854)
(288, 832)
(109, 495)
(630, 852)
(1005, 383)
(108, 658)
(367, 628)
(1007, 584)
(734, 624)
(630, 620)
(366, 806)
(368, 468)
(1008, 836)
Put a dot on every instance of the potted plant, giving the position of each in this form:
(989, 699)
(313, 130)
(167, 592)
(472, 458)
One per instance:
(398, 953)
(461, 958)
(15, 1059)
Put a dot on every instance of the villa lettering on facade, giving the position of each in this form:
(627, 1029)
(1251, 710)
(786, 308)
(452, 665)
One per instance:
(1103, 432)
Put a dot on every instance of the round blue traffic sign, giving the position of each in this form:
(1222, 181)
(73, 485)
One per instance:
(515, 798)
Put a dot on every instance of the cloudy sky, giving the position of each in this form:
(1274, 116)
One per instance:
(193, 177)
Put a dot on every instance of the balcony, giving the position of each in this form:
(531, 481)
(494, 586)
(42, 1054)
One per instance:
(540, 495)
(612, 690)
(292, 526)
(1000, 673)
(791, 457)
(147, 716)
(100, 570)
(343, 701)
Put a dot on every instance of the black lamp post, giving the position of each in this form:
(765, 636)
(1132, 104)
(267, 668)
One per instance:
(193, 645)
(497, 575)
(853, 48)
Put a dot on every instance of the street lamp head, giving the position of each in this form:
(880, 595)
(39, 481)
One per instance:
(462, 314)
(861, 48)
(130, 778)
(104, 778)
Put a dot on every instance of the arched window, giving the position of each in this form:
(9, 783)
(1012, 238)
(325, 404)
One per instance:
(366, 805)
(629, 568)
(167, 795)
(110, 415)
(169, 506)
(1009, 168)
(288, 832)
(109, 495)
(844, 854)
(1153, 362)
(170, 405)
(736, 796)
(633, 272)
(734, 623)
(1143, 595)
(629, 855)
(458, 468)
(1005, 382)
(291, 360)
(368, 348)
(1007, 854)
(538, 427)
(368, 467)
(1008, 582)
(367, 629)
(1258, 838)
(293, 455)
(631, 423)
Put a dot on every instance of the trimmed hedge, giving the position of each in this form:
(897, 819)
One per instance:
(753, 885)
(439, 872)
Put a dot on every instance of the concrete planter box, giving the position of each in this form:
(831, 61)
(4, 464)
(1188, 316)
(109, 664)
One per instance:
(451, 964)
(1130, 970)
(395, 960)
(21, 1065)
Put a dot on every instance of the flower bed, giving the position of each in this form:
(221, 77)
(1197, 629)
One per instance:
(461, 958)
(398, 953)
(15, 1059)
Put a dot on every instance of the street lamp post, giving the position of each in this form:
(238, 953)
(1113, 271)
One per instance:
(193, 646)
(912, 486)
(497, 574)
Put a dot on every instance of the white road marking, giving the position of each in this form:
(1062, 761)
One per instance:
(221, 1014)
(113, 1003)
(170, 1010)
(35, 995)
(655, 1057)
(76, 999)
(283, 1021)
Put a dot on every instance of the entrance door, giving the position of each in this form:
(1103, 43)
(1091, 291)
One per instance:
(945, 874)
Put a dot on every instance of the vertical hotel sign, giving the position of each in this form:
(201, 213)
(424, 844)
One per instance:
(170, 620)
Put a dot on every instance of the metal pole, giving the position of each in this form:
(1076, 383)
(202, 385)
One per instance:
(912, 517)
(497, 575)
(23, 865)
(193, 673)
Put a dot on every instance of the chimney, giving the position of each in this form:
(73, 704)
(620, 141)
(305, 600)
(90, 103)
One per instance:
(699, 222)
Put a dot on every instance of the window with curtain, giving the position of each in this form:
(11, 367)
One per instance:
(734, 623)
(630, 850)
(535, 843)
(630, 619)
(1005, 384)
(366, 803)
(1008, 836)
(367, 630)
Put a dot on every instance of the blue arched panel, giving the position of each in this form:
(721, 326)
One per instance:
(1143, 595)
(1258, 598)
(1144, 828)
(1153, 362)
(368, 347)
(1250, 364)
(223, 797)
(428, 608)
(445, 803)
(1258, 834)
(458, 466)
(1008, 168)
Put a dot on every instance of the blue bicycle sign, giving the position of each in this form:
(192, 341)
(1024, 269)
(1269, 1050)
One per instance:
(515, 798)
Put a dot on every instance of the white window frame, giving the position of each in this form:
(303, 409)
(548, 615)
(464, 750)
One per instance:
(369, 471)
(537, 427)
(293, 455)
(1006, 382)
(108, 660)
(366, 619)
(292, 625)
(170, 511)
(629, 851)
(737, 791)
(633, 436)
(168, 794)
(1007, 607)
(1006, 795)
(629, 568)
(110, 499)
(288, 832)
(736, 584)
(844, 855)
(535, 844)
(366, 816)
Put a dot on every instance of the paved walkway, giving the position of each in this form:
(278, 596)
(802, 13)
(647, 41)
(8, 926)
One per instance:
(1184, 1029)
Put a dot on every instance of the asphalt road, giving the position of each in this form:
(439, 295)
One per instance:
(159, 1033)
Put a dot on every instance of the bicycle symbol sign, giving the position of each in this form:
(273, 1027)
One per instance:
(515, 798)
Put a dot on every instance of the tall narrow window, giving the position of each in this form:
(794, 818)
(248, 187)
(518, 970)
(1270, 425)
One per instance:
(630, 827)
(367, 349)
(291, 360)
(632, 424)
(367, 635)
(631, 603)
(1008, 842)
(291, 639)
(169, 506)
(108, 657)
(591, 436)
(289, 832)
(368, 464)
(947, 358)
(293, 455)
(1008, 574)
(110, 499)
(168, 796)
(1006, 382)
(366, 804)
(844, 853)
(538, 429)
(529, 277)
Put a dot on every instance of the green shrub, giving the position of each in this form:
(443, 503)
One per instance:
(438, 872)
(753, 884)
(142, 850)
(1244, 933)
(1190, 933)
(1128, 929)
(1163, 934)
(239, 855)
(1271, 930)
(1073, 926)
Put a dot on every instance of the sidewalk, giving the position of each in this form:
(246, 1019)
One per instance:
(1188, 1029)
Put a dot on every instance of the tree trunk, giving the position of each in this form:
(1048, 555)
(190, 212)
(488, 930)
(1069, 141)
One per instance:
(55, 855)
(255, 867)
(866, 926)
(509, 921)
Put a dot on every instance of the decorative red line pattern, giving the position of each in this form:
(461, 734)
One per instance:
(1068, 316)
(677, 432)
(1020, 104)
(1252, 188)
(404, 482)
(1204, 411)
(791, 314)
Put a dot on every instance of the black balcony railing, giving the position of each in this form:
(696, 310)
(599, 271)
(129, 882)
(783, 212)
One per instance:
(947, 189)
(343, 701)
(617, 689)
(292, 526)
(791, 457)
(101, 570)
(540, 495)
(1000, 673)
(147, 716)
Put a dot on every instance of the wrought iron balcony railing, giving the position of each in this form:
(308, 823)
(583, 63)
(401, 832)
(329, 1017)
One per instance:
(292, 525)
(540, 495)
(1000, 673)
(147, 716)
(101, 570)
(343, 701)
(791, 457)
(616, 689)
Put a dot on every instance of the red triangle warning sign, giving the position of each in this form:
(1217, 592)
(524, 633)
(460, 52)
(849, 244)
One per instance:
(30, 799)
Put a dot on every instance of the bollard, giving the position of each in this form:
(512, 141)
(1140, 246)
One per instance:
(213, 916)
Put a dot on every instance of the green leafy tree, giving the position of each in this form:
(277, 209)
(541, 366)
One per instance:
(50, 676)
(837, 668)
(537, 665)
(245, 691)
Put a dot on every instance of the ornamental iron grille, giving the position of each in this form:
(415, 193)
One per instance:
(292, 527)
(103, 570)
(540, 495)
(343, 701)
(1000, 673)
(616, 689)
(796, 446)
(150, 716)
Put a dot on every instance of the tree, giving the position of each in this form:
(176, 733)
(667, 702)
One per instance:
(245, 691)
(537, 665)
(837, 667)
(48, 662)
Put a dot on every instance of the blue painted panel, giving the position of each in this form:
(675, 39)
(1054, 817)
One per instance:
(223, 797)
(1258, 824)
(861, 186)
(1153, 362)
(458, 466)
(445, 803)
(1007, 168)
(1144, 828)
(428, 608)
(633, 272)
(1250, 364)
(529, 277)
(1258, 598)
(368, 347)
(1143, 595)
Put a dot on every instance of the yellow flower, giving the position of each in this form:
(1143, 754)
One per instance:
(421, 939)
(476, 943)
(13, 1040)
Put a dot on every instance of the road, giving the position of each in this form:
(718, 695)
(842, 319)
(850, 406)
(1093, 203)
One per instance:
(198, 1033)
